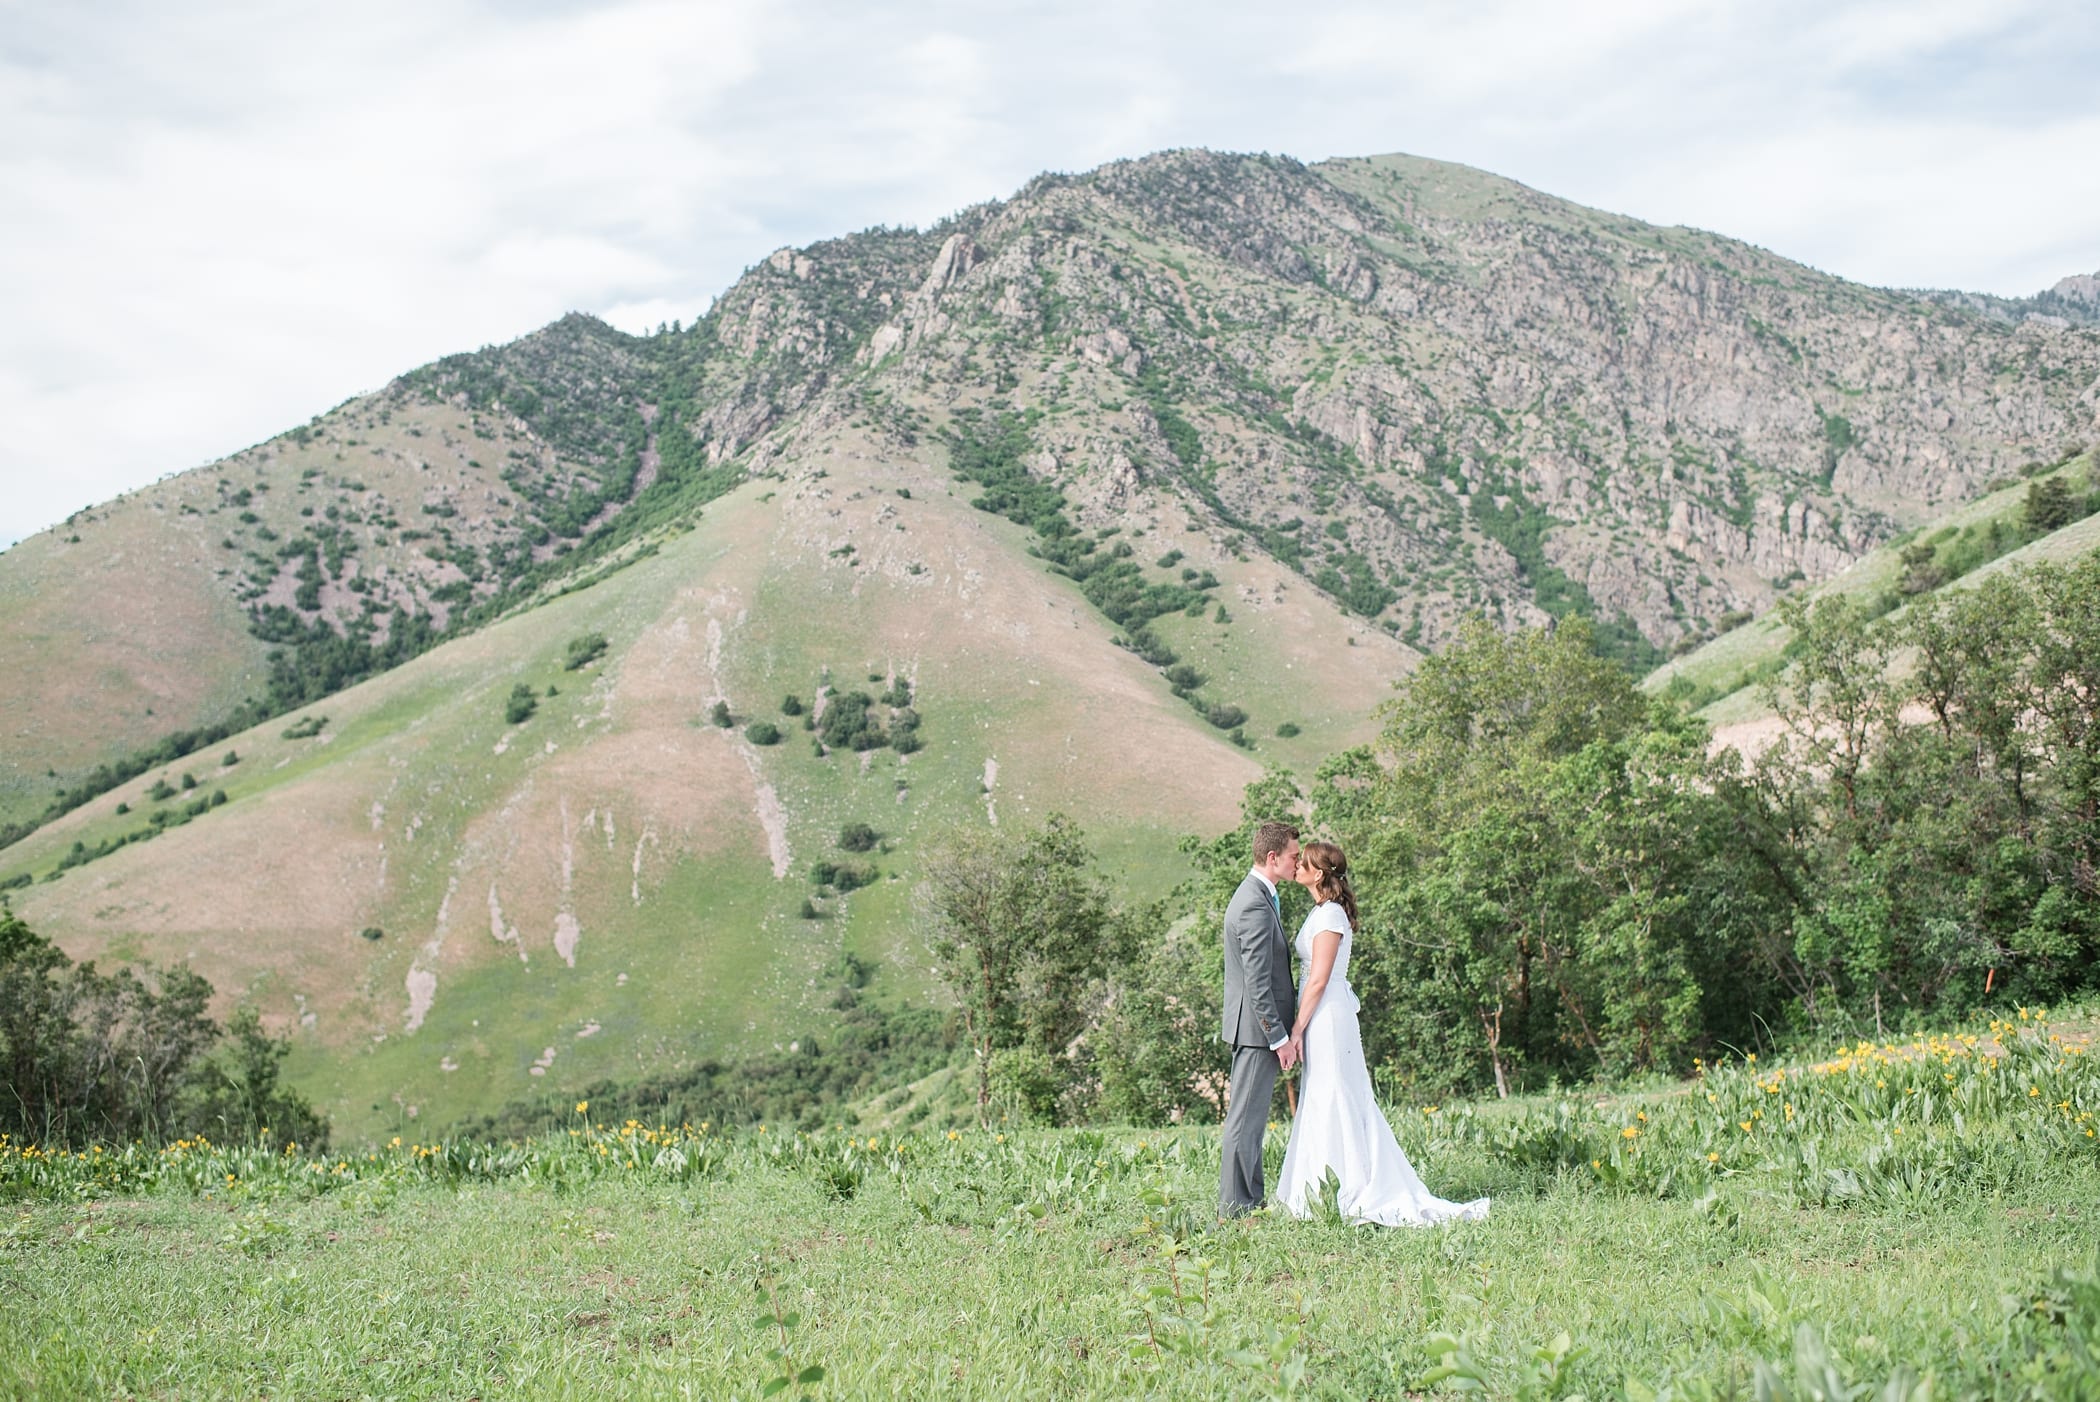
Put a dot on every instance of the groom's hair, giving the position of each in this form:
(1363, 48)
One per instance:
(1271, 838)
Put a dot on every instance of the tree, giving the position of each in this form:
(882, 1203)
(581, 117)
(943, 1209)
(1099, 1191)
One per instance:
(1478, 910)
(583, 651)
(1016, 925)
(86, 1055)
(2049, 505)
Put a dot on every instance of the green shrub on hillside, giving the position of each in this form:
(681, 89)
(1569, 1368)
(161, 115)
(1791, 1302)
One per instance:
(791, 705)
(849, 723)
(842, 876)
(858, 837)
(521, 703)
(762, 732)
(583, 651)
(720, 715)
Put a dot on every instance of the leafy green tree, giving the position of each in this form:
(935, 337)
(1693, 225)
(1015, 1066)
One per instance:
(1505, 831)
(519, 706)
(2050, 505)
(583, 651)
(86, 1055)
(1017, 924)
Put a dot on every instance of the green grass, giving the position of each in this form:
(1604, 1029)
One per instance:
(1905, 1207)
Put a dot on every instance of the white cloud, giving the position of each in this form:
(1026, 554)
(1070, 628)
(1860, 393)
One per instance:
(223, 217)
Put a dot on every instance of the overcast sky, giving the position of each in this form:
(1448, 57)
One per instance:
(221, 218)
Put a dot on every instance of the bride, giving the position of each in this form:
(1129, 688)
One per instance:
(1338, 1125)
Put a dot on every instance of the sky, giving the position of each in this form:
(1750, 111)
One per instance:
(219, 219)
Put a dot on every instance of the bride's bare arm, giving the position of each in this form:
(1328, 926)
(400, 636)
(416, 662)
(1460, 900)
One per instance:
(1325, 944)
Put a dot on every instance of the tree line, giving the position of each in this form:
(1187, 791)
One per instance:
(1560, 878)
(88, 1057)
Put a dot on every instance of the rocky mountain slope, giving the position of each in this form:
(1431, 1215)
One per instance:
(1426, 390)
(1099, 498)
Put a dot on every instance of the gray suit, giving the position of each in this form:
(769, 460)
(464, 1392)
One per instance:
(1261, 1002)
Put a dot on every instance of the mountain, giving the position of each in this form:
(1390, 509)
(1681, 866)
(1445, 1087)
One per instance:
(2053, 516)
(1138, 480)
(2073, 301)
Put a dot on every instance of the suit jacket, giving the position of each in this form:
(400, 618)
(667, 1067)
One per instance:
(1261, 1002)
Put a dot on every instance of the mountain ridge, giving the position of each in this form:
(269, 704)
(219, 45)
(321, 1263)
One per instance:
(1138, 482)
(1500, 400)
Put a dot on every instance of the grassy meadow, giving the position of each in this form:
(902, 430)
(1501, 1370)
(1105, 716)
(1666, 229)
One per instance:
(1899, 1220)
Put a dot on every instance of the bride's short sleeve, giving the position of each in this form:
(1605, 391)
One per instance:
(1331, 916)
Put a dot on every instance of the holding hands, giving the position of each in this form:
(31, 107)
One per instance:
(1291, 1052)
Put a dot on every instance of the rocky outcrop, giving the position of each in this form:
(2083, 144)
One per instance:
(1458, 393)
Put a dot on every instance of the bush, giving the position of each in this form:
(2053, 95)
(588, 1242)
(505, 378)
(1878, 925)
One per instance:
(858, 837)
(189, 780)
(762, 732)
(720, 715)
(161, 791)
(2049, 506)
(521, 704)
(1225, 716)
(848, 725)
(791, 705)
(584, 650)
(131, 1055)
(371, 932)
(1183, 678)
(842, 877)
(809, 909)
(232, 758)
(1288, 730)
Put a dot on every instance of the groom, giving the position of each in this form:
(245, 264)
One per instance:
(1261, 1004)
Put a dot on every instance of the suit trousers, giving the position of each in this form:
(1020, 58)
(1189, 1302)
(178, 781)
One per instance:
(1254, 1072)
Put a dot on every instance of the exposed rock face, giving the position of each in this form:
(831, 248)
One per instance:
(1427, 390)
(1423, 387)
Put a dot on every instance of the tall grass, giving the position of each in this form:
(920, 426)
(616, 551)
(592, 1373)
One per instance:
(1895, 1217)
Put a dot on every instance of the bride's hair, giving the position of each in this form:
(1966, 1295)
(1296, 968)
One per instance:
(1333, 885)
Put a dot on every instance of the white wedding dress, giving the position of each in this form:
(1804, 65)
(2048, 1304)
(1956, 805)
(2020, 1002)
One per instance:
(1339, 1125)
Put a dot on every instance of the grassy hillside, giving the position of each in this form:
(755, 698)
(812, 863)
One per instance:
(618, 881)
(133, 620)
(1423, 390)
